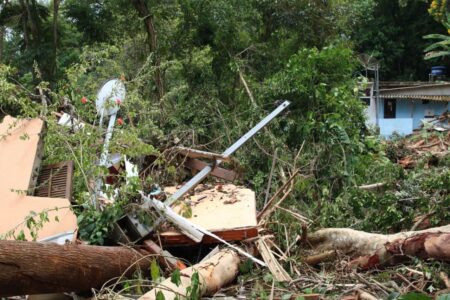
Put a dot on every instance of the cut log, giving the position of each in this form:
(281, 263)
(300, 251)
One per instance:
(37, 268)
(213, 274)
(371, 249)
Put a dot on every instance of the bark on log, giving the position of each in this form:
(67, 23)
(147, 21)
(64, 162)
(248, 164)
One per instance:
(214, 273)
(371, 249)
(38, 268)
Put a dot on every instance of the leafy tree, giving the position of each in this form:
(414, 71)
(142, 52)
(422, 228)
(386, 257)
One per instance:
(394, 36)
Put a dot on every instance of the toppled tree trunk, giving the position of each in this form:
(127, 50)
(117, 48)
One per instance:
(371, 249)
(213, 274)
(37, 268)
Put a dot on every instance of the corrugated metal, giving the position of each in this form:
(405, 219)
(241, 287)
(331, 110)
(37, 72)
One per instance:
(416, 88)
(416, 97)
(55, 181)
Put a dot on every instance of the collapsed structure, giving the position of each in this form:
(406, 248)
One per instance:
(36, 203)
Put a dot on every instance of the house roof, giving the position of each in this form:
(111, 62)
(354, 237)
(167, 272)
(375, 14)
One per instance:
(433, 92)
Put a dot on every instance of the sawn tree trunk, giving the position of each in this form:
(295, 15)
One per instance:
(36, 268)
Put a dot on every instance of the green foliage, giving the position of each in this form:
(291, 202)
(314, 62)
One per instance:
(154, 271)
(437, 49)
(393, 35)
(160, 296)
(414, 296)
(193, 291)
(325, 111)
(13, 99)
(94, 226)
(175, 278)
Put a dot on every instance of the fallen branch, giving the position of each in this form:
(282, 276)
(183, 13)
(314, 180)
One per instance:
(267, 210)
(318, 258)
(371, 249)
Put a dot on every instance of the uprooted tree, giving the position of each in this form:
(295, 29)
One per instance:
(370, 250)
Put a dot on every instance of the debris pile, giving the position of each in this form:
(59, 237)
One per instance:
(425, 143)
(202, 232)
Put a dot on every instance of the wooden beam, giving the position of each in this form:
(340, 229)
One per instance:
(178, 239)
(197, 165)
(193, 153)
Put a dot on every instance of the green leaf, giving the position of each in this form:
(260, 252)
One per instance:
(436, 36)
(414, 296)
(435, 54)
(21, 236)
(193, 291)
(176, 277)
(154, 270)
(160, 296)
(246, 266)
(443, 297)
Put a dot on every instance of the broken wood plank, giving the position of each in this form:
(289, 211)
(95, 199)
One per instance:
(37, 268)
(197, 165)
(193, 153)
(373, 186)
(279, 274)
(165, 258)
(177, 239)
(186, 225)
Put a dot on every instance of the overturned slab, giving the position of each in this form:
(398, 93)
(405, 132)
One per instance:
(226, 210)
(20, 151)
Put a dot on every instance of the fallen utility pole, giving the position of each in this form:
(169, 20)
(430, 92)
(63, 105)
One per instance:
(28, 268)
